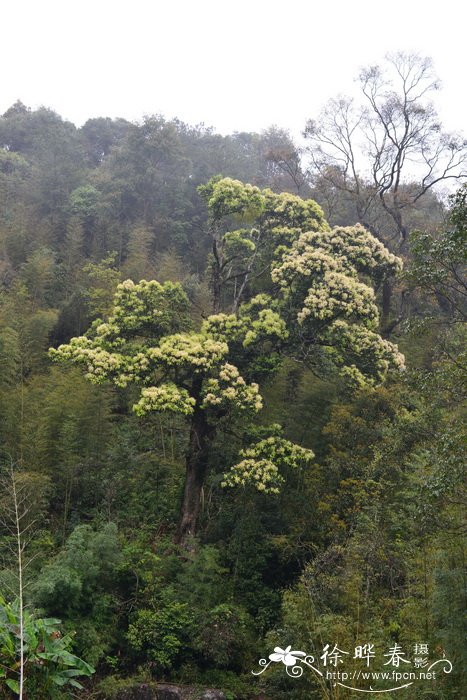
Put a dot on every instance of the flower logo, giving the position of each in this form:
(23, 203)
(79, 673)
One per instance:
(289, 658)
(291, 661)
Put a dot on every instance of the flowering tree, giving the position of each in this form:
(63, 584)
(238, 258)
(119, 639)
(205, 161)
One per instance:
(315, 302)
(246, 226)
(325, 280)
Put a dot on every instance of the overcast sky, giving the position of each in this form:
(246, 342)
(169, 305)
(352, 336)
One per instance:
(237, 65)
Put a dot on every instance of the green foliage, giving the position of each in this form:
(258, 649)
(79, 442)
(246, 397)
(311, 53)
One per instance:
(101, 284)
(160, 634)
(84, 202)
(80, 584)
(438, 260)
(48, 661)
(224, 635)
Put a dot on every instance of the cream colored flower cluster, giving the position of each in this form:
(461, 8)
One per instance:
(281, 450)
(146, 304)
(350, 250)
(337, 294)
(228, 196)
(167, 397)
(363, 250)
(327, 288)
(257, 321)
(303, 264)
(262, 462)
(223, 327)
(293, 211)
(354, 246)
(194, 351)
(319, 276)
(100, 364)
(231, 391)
(182, 354)
(363, 357)
(260, 473)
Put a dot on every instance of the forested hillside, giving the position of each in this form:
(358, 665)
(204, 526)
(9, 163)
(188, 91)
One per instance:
(231, 411)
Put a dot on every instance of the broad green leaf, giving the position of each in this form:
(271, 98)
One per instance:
(13, 685)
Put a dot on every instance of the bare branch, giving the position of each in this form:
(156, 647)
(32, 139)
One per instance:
(372, 152)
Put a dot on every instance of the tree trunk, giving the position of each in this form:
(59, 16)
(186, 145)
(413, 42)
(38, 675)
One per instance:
(201, 434)
(387, 297)
(216, 277)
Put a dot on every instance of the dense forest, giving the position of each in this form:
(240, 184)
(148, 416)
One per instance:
(232, 405)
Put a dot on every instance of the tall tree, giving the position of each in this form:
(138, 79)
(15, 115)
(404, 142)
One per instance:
(210, 375)
(387, 150)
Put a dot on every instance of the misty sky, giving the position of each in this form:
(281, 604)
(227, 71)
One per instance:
(240, 65)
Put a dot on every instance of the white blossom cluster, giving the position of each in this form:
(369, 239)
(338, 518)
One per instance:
(167, 397)
(372, 355)
(145, 304)
(196, 351)
(337, 294)
(127, 349)
(261, 473)
(354, 247)
(262, 462)
(324, 277)
(99, 363)
(256, 322)
(230, 390)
